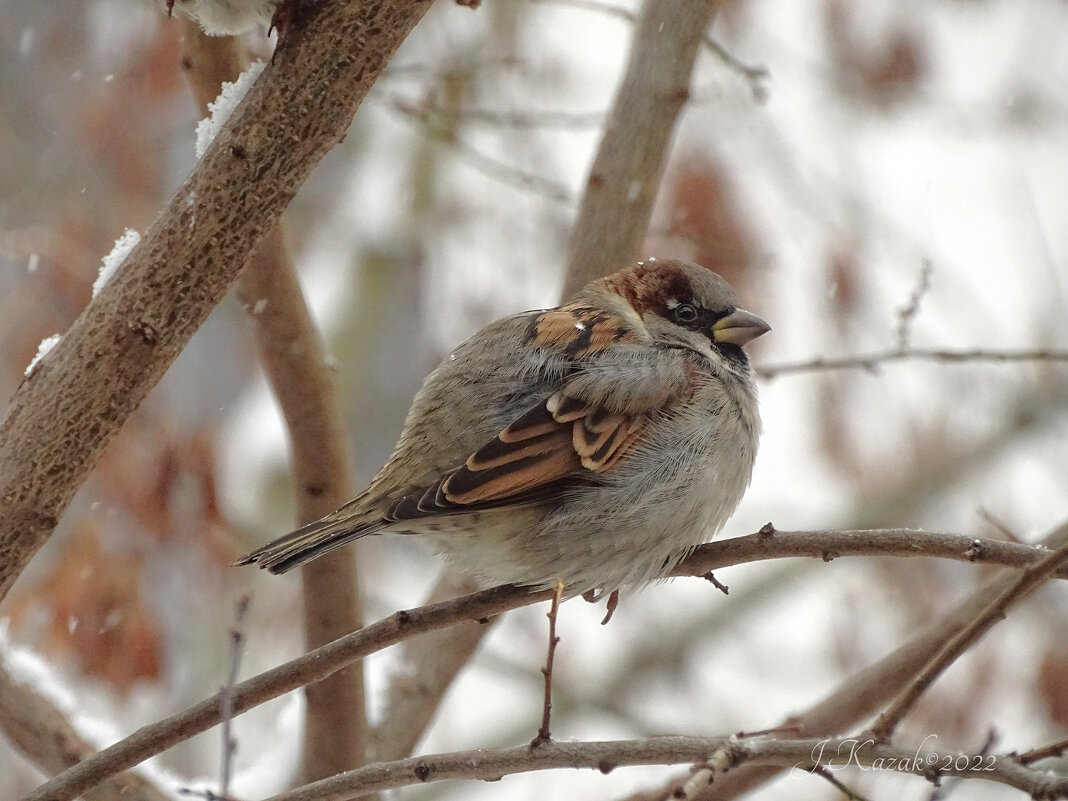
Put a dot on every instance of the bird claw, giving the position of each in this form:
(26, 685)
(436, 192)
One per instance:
(610, 607)
(595, 595)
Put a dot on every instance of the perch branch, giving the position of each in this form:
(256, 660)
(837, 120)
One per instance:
(769, 543)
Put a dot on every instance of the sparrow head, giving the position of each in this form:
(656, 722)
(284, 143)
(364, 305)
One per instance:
(685, 305)
(656, 302)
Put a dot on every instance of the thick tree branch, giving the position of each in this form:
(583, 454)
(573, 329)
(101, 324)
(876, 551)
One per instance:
(295, 361)
(67, 410)
(317, 665)
(625, 176)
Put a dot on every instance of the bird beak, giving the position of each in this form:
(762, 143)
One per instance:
(739, 327)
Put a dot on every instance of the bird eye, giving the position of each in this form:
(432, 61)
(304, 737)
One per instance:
(685, 313)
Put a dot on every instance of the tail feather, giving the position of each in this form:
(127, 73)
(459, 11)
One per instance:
(309, 542)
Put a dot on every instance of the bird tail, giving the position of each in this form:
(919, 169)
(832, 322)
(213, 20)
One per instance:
(309, 542)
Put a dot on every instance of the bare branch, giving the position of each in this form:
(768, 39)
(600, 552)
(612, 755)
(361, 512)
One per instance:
(543, 735)
(908, 312)
(492, 764)
(425, 111)
(507, 174)
(623, 181)
(827, 776)
(873, 361)
(769, 543)
(237, 641)
(1045, 752)
(315, 666)
(943, 789)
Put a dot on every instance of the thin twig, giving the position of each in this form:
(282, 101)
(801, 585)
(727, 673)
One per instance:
(505, 173)
(874, 360)
(543, 735)
(710, 577)
(226, 695)
(1045, 752)
(1000, 525)
(829, 777)
(908, 312)
(1024, 585)
(756, 75)
(425, 110)
(489, 166)
(942, 789)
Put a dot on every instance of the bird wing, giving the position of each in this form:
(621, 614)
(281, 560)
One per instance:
(617, 385)
(559, 442)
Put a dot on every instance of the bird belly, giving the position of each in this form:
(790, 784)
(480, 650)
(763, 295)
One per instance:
(630, 529)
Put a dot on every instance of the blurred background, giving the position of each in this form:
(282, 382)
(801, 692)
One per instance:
(892, 151)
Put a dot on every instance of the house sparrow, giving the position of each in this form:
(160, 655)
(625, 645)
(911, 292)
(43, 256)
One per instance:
(596, 443)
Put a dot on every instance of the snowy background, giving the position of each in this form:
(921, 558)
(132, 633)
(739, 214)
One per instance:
(890, 140)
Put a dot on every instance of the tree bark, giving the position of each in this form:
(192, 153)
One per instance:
(71, 405)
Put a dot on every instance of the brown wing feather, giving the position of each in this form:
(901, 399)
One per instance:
(558, 442)
(506, 481)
